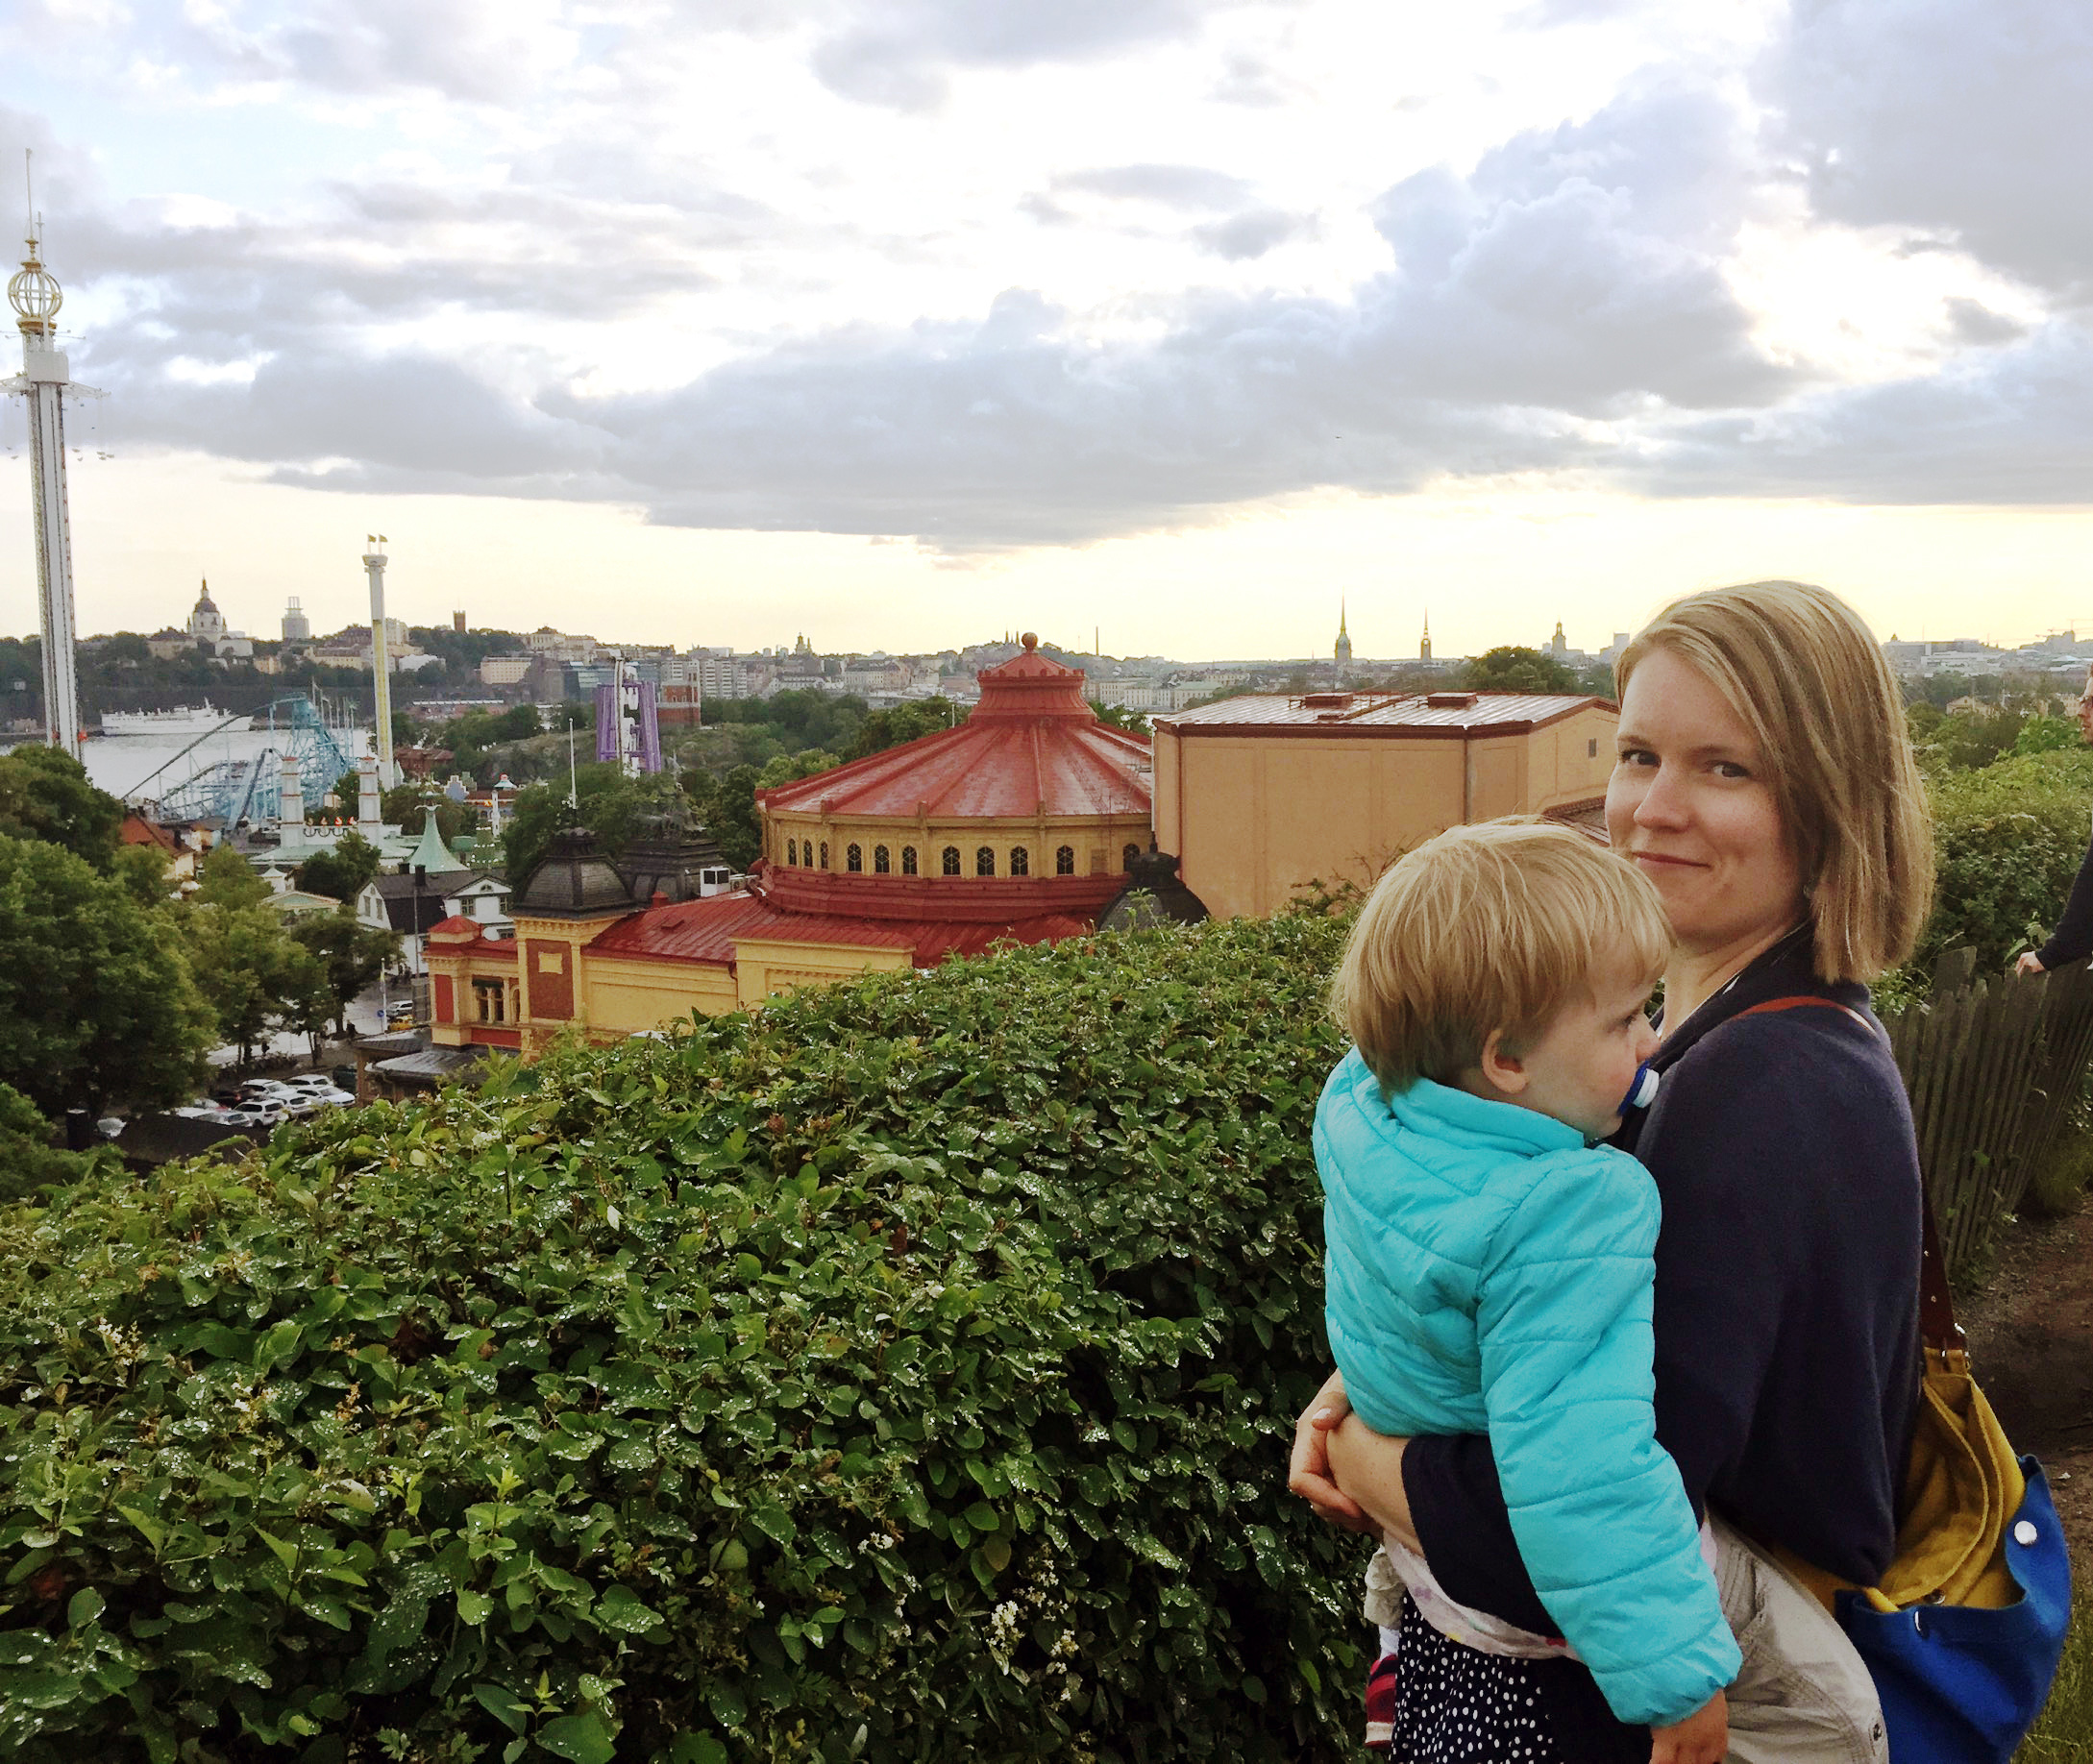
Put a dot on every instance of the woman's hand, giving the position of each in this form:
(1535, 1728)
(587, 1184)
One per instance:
(1368, 1468)
(1308, 1471)
(2029, 964)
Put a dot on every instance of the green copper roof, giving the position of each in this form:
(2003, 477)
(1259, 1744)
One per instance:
(431, 853)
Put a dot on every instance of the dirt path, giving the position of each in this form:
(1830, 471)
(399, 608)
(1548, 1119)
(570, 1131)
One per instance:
(2031, 1338)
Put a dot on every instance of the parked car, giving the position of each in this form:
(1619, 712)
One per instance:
(400, 1015)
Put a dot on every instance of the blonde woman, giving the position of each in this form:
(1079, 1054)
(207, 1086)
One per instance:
(1765, 783)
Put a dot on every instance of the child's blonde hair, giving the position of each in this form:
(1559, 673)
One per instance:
(1484, 928)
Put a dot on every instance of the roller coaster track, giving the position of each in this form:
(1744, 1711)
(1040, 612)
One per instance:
(192, 786)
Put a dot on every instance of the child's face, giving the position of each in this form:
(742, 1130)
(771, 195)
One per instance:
(1580, 1067)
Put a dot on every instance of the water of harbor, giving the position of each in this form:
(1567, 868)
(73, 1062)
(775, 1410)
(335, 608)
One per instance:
(120, 763)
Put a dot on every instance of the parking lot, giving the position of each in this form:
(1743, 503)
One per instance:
(264, 1102)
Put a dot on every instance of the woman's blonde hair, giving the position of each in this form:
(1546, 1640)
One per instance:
(1807, 677)
(1484, 928)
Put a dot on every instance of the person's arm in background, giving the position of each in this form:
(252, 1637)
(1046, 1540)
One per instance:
(2073, 939)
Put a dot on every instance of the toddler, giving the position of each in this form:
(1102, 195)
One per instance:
(1490, 1270)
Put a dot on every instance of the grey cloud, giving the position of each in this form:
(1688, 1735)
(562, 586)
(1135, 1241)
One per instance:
(1967, 117)
(1973, 322)
(1527, 302)
(901, 52)
(2010, 426)
(1252, 233)
(1570, 283)
(475, 50)
(1174, 186)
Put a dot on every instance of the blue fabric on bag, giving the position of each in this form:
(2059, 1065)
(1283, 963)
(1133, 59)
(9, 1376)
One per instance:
(1962, 1685)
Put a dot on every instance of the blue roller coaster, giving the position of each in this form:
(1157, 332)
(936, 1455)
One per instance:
(192, 786)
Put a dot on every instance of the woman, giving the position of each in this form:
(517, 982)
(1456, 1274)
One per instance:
(1766, 784)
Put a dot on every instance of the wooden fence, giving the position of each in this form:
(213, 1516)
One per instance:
(1993, 1066)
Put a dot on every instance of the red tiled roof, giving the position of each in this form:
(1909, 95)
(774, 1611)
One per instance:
(1031, 747)
(458, 934)
(707, 931)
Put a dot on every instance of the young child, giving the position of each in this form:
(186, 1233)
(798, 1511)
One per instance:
(1490, 1270)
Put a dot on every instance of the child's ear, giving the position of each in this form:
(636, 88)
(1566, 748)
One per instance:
(1502, 1068)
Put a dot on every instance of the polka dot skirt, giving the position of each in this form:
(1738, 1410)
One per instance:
(1454, 1705)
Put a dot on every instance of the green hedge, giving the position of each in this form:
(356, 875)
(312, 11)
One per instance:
(905, 1373)
(2011, 838)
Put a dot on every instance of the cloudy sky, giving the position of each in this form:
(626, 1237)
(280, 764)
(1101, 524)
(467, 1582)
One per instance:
(902, 323)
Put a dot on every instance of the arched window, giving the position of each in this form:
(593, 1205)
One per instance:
(1021, 861)
(792, 851)
(854, 859)
(824, 853)
(881, 864)
(1064, 860)
(984, 861)
(952, 860)
(908, 860)
(1128, 855)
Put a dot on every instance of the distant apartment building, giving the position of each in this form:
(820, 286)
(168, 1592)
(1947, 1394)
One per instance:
(866, 675)
(350, 647)
(735, 677)
(1959, 654)
(1154, 695)
(504, 669)
(563, 645)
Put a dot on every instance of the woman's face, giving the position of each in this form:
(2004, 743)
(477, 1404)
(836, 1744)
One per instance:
(1691, 803)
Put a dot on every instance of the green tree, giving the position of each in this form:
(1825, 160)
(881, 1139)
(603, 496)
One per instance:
(29, 1163)
(1514, 668)
(225, 878)
(340, 874)
(2047, 735)
(250, 971)
(45, 794)
(97, 1004)
(1119, 717)
(350, 955)
(882, 729)
(728, 808)
(608, 802)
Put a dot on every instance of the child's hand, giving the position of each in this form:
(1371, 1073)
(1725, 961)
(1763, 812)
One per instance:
(1308, 1475)
(1702, 1738)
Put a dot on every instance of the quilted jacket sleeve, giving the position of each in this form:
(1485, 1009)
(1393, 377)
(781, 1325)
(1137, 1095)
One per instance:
(1602, 1521)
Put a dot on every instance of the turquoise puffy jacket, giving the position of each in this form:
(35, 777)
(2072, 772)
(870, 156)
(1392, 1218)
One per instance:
(1487, 1273)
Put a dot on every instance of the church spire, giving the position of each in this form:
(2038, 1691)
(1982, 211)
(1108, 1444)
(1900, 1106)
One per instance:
(1424, 648)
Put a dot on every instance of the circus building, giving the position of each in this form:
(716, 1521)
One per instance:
(1022, 823)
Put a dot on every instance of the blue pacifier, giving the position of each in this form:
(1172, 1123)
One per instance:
(1642, 1092)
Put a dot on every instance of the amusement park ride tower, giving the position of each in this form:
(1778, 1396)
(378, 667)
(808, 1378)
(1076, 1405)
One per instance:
(374, 562)
(42, 384)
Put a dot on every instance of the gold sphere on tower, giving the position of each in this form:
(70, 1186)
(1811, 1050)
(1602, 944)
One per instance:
(33, 293)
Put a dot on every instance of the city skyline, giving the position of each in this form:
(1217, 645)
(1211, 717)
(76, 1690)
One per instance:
(1176, 318)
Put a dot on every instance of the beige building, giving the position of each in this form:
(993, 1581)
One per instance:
(1259, 796)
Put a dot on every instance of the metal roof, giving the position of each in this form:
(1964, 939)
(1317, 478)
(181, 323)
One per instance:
(710, 930)
(1031, 747)
(1455, 712)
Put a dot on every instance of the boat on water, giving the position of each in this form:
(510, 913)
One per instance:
(180, 720)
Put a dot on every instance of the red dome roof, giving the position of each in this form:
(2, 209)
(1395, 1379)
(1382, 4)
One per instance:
(1032, 747)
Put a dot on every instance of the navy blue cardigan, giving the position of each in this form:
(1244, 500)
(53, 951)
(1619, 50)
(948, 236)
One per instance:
(1787, 1319)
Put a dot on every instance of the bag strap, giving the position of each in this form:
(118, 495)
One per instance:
(1937, 1328)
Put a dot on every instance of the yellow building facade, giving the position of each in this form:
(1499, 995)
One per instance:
(1261, 795)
